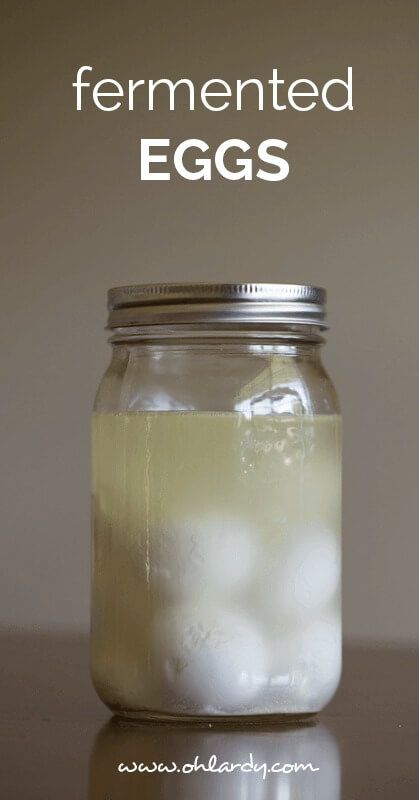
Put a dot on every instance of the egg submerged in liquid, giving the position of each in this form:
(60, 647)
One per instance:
(208, 658)
(305, 571)
(208, 554)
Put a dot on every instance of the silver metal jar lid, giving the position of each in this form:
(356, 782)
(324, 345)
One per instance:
(168, 304)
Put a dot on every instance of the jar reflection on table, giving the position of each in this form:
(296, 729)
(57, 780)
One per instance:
(286, 748)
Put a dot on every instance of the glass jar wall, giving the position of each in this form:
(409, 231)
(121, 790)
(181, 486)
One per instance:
(216, 519)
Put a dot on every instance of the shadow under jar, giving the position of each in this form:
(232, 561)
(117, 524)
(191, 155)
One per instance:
(216, 505)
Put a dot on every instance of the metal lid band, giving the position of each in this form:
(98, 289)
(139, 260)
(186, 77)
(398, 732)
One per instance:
(255, 304)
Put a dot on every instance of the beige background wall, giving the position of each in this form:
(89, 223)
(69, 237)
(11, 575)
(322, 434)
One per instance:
(76, 220)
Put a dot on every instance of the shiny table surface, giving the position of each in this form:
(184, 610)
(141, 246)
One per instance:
(58, 741)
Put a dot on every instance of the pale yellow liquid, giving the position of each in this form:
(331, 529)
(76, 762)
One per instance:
(154, 472)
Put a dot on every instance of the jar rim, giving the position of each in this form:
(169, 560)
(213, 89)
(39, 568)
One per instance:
(255, 304)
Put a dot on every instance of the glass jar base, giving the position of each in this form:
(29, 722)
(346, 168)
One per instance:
(214, 720)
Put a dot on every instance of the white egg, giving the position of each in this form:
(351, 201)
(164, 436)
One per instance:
(320, 660)
(305, 571)
(306, 666)
(202, 555)
(208, 659)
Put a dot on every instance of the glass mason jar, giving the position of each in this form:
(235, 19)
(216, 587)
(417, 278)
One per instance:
(217, 505)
